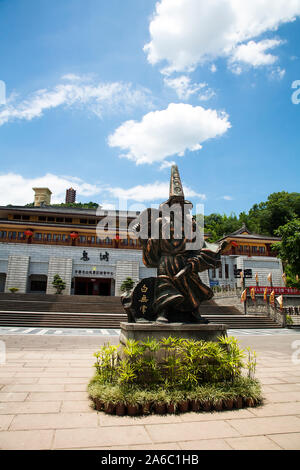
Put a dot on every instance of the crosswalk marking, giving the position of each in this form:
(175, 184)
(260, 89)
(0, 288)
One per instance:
(104, 332)
(14, 329)
(42, 332)
(58, 332)
(28, 331)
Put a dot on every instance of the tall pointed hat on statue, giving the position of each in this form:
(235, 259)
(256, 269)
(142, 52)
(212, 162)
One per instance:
(176, 194)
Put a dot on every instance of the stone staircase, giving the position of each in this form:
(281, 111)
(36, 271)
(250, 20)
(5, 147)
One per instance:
(101, 312)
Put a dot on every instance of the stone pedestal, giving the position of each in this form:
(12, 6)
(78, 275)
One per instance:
(192, 331)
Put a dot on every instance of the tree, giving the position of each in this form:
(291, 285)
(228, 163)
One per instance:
(127, 285)
(288, 248)
(58, 283)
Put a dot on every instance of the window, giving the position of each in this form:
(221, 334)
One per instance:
(56, 238)
(42, 218)
(261, 249)
(17, 217)
(51, 219)
(25, 217)
(98, 240)
(68, 220)
(254, 249)
(20, 235)
(83, 221)
(49, 237)
(220, 272)
(92, 240)
(59, 219)
(38, 236)
(92, 221)
(82, 238)
(64, 238)
(108, 241)
(226, 271)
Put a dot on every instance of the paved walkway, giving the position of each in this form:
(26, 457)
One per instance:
(24, 330)
(44, 404)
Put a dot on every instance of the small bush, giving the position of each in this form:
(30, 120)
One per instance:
(188, 370)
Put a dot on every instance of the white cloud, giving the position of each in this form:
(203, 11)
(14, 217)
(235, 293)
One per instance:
(17, 190)
(185, 88)
(277, 73)
(186, 33)
(227, 198)
(96, 97)
(171, 131)
(254, 53)
(213, 68)
(150, 192)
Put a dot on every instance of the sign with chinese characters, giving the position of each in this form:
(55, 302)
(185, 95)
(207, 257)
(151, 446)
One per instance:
(93, 273)
(143, 298)
(104, 257)
(247, 273)
(277, 290)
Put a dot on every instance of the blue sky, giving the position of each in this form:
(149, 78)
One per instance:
(104, 96)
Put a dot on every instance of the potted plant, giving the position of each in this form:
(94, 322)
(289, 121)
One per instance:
(13, 290)
(127, 285)
(289, 321)
(58, 283)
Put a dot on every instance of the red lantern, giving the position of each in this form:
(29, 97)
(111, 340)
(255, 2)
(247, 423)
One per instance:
(74, 235)
(117, 238)
(28, 233)
(234, 243)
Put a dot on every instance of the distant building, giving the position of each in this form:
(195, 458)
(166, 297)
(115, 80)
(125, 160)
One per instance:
(42, 197)
(246, 250)
(70, 195)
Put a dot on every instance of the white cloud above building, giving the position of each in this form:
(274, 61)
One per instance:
(172, 131)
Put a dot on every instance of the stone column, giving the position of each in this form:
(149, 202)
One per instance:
(63, 267)
(125, 269)
(17, 273)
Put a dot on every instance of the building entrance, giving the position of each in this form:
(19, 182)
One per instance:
(92, 286)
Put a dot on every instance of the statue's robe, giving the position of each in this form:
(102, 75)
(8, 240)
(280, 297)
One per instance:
(169, 256)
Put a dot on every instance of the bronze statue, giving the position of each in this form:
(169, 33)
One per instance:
(168, 237)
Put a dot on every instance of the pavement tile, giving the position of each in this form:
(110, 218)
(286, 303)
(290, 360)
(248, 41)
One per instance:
(266, 425)
(190, 431)
(77, 406)
(33, 388)
(288, 387)
(75, 387)
(111, 420)
(12, 396)
(97, 437)
(205, 444)
(55, 396)
(252, 443)
(217, 416)
(54, 421)
(26, 440)
(289, 441)
(5, 421)
(277, 397)
(62, 380)
(30, 407)
(277, 409)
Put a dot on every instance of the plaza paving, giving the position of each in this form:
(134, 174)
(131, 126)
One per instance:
(44, 404)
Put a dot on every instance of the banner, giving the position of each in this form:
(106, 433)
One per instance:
(278, 290)
(252, 293)
(244, 296)
(280, 301)
(272, 297)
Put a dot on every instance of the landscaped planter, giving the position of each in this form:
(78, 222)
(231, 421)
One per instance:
(184, 406)
(160, 408)
(195, 405)
(228, 404)
(120, 409)
(238, 402)
(133, 410)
